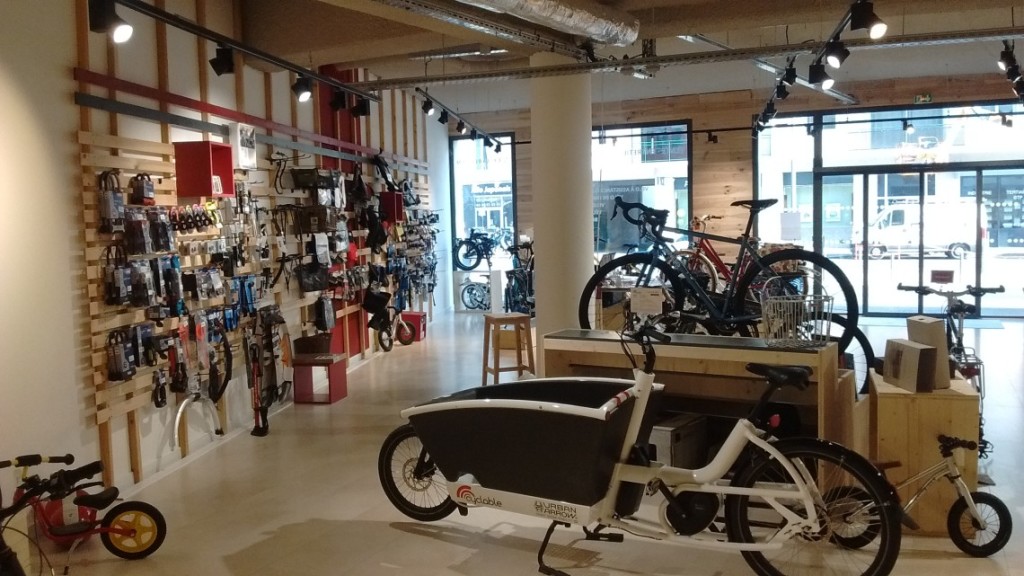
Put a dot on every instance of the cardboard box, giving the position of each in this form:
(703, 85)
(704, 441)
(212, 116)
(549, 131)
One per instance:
(932, 332)
(419, 322)
(909, 365)
(681, 441)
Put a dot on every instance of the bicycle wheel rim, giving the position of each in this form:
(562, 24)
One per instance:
(605, 303)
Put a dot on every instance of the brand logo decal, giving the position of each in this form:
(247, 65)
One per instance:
(556, 511)
(465, 493)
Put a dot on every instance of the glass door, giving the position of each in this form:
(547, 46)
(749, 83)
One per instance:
(949, 234)
(842, 221)
(1001, 251)
(889, 241)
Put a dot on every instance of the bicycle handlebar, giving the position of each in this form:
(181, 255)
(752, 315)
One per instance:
(648, 215)
(76, 475)
(36, 459)
(973, 291)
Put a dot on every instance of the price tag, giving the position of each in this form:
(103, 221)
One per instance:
(646, 301)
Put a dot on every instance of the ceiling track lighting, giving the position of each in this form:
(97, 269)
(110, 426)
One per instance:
(361, 107)
(103, 19)
(781, 92)
(1018, 87)
(789, 76)
(712, 138)
(303, 88)
(816, 74)
(908, 127)
(862, 17)
(224, 62)
(447, 114)
(836, 53)
(339, 100)
(1006, 120)
(1006, 57)
(1013, 72)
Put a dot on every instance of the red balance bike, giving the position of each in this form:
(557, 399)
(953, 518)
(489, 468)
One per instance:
(67, 515)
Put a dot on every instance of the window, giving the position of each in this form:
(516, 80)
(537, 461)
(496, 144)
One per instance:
(482, 186)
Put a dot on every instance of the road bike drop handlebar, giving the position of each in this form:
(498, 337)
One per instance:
(926, 290)
(654, 218)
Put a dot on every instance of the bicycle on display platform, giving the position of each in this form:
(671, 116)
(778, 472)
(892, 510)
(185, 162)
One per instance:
(519, 280)
(469, 252)
(964, 358)
(683, 285)
(475, 294)
(67, 515)
(785, 505)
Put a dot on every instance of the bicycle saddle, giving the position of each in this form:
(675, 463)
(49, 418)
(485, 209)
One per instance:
(755, 206)
(795, 376)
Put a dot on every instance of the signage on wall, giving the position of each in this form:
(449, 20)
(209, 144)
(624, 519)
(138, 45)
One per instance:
(923, 99)
(243, 144)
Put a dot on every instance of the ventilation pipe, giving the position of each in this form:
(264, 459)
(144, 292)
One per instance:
(589, 19)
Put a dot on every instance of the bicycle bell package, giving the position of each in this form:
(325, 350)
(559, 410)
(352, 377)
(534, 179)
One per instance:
(111, 203)
(117, 275)
(143, 192)
(120, 356)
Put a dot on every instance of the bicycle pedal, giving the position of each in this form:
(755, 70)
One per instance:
(602, 537)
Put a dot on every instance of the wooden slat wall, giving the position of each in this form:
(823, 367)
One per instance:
(724, 172)
(110, 140)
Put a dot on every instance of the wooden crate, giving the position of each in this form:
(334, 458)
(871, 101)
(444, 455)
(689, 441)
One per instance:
(905, 429)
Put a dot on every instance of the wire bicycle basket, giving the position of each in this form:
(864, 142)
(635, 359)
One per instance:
(795, 320)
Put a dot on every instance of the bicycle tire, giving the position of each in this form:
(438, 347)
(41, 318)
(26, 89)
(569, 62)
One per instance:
(630, 263)
(993, 511)
(385, 340)
(148, 530)
(467, 255)
(858, 355)
(699, 265)
(468, 299)
(808, 268)
(421, 495)
(405, 333)
(830, 466)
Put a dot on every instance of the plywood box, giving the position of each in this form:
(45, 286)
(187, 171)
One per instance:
(906, 429)
(909, 365)
(932, 332)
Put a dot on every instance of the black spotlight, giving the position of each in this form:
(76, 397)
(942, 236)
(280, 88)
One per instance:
(497, 147)
(789, 77)
(103, 18)
(443, 117)
(487, 142)
(224, 62)
(1013, 72)
(339, 100)
(817, 75)
(1006, 57)
(361, 108)
(836, 53)
(472, 133)
(712, 138)
(428, 107)
(1018, 87)
(460, 127)
(1007, 121)
(781, 92)
(908, 127)
(863, 17)
(303, 88)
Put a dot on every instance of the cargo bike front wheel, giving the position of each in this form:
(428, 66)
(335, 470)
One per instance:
(410, 478)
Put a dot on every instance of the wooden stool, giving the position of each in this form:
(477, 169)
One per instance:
(493, 324)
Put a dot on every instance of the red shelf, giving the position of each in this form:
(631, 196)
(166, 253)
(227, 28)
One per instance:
(196, 163)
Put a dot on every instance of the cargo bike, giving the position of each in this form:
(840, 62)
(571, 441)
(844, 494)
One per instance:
(574, 451)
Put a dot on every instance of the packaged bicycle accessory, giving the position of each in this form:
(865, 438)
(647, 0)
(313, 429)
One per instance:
(357, 190)
(143, 284)
(111, 203)
(117, 275)
(159, 395)
(138, 239)
(323, 317)
(409, 198)
(160, 230)
(142, 191)
(384, 171)
(179, 367)
(120, 358)
(312, 277)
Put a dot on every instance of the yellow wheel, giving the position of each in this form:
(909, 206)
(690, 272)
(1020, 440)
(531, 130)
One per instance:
(133, 530)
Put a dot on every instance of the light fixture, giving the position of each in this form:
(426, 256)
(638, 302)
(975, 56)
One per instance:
(443, 117)
(1013, 72)
(712, 138)
(817, 75)
(487, 142)
(1018, 87)
(863, 17)
(836, 53)
(224, 62)
(361, 108)
(339, 100)
(472, 133)
(497, 147)
(460, 127)
(789, 76)
(810, 129)
(908, 127)
(602, 136)
(303, 88)
(781, 92)
(428, 107)
(1006, 57)
(103, 18)
(1006, 120)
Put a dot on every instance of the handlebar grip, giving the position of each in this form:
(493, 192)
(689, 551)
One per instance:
(67, 459)
(76, 475)
(28, 460)
(970, 445)
(654, 334)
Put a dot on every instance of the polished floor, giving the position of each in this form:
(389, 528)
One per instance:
(306, 499)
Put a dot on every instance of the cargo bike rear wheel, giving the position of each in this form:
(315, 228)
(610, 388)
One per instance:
(410, 479)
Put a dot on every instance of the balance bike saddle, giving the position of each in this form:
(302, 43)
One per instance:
(99, 500)
(795, 376)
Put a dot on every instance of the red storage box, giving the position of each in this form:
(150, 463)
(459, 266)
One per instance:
(419, 321)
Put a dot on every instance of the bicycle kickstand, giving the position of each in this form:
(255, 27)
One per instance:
(542, 567)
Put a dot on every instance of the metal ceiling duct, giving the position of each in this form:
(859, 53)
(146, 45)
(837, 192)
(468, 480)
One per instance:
(588, 19)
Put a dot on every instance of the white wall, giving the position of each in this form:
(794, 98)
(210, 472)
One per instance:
(44, 399)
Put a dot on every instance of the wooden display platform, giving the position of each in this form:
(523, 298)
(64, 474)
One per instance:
(905, 427)
(714, 367)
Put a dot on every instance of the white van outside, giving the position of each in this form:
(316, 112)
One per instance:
(950, 229)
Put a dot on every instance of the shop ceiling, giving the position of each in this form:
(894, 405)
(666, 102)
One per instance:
(444, 42)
